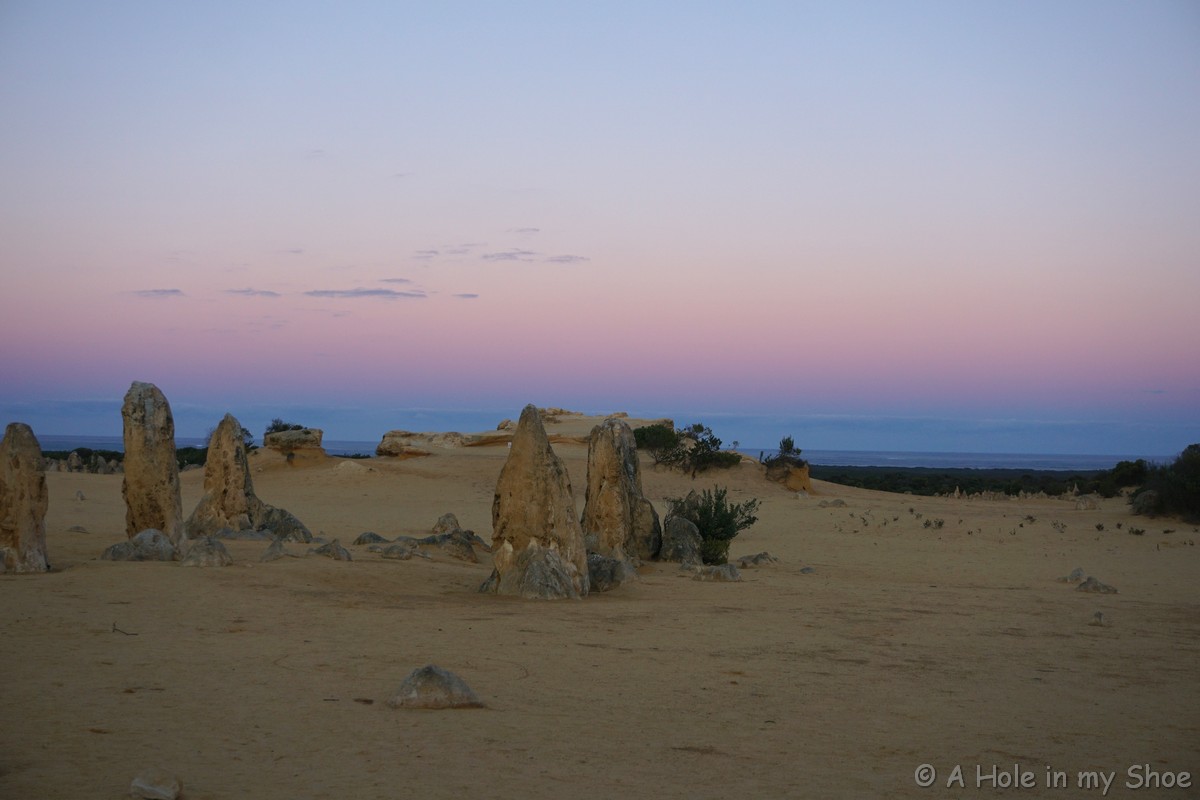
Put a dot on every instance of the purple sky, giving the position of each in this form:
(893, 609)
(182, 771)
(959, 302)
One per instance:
(907, 226)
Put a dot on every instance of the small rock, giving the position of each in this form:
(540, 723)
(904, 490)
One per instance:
(206, 551)
(1100, 621)
(839, 503)
(446, 523)
(607, 573)
(1076, 576)
(332, 550)
(434, 687)
(77, 529)
(720, 572)
(275, 551)
(79, 495)
(757, 560)
(370, 537)
(807, 571)
(680, 542)
(1095, 586)
(155, 784)
(246, 534)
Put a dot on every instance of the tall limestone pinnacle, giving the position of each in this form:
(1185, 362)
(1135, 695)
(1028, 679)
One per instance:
(537, 542)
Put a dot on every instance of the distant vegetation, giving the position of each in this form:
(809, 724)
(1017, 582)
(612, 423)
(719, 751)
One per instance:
(278, 426)
(788, 455)
(692, 449)
(937, 480)
(718, 520)
(1172, 489)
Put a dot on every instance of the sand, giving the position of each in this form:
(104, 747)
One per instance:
(906, 645)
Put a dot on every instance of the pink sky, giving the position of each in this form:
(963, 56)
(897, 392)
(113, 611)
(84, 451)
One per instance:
(921, 212)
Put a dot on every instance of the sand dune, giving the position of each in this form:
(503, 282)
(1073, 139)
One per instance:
(905, 645)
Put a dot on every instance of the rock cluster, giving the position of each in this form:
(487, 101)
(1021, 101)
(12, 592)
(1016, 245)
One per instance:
(23, 502)
(149, 545)
(537, 543)
(618, 521)
(151, 484)
(229, 500)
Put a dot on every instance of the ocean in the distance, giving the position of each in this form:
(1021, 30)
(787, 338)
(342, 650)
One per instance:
(830, 458)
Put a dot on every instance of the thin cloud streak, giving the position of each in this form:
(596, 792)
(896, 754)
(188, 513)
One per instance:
(252, 293)
(159, 293)
(385, 294)
(514, 254)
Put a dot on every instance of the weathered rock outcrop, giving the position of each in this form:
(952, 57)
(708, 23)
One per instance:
(151, 484)
(229, 500)
(302, 445)
(618, 521)
(794, 477)
(23, 501)
(406, 444)
(537, 544)
(299, 439)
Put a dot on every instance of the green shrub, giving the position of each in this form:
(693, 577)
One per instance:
(718, 520)
(693, 449)
(702, 450)
(662, 442)
(788, 454)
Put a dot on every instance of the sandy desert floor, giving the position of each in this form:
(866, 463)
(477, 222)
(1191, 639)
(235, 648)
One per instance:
(905, 646)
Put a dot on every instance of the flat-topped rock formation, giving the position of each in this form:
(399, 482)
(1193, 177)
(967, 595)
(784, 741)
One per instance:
(151, 483)
(537, 544)
(562, 427)
(23, 502)
(302, 443)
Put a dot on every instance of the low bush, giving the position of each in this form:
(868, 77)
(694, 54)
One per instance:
(718, 520)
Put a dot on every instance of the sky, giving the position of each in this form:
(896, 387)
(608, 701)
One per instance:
(929, 226)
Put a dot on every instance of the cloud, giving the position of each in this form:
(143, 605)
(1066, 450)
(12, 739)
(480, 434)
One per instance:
(252, 292)
(467, 295)
(524, 230)
(513, 254)
(567, 259)
(425, 255)
(386, 294)
(394, 280)
(295, 251)
(159, 293)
